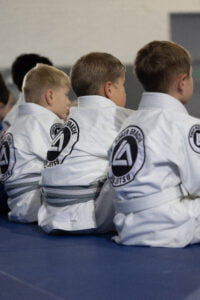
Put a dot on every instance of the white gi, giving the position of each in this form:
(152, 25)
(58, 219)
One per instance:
(22, 153)
(155, 172)
(76, 168)
(12, 115)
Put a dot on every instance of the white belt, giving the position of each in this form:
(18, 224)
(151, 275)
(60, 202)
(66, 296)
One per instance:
(142, 203)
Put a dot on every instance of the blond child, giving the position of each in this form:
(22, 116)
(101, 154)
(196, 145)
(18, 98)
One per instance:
(77, 161)
(24, 146)
(155, 160)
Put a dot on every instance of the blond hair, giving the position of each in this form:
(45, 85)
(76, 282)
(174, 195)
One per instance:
(159, 62)
(92, 70)
(40, 78)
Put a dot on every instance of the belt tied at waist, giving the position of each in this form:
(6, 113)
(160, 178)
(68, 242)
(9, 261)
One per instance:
(142, 203)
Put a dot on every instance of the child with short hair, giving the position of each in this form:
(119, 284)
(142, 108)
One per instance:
(23, 148)
(155, 159)
(77, 161)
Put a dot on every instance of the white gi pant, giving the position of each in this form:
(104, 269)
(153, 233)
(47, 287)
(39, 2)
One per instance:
(154, 175)
(76, 196)
(173, 224)
(22, 154)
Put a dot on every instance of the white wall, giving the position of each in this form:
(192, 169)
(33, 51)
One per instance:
(64, 30)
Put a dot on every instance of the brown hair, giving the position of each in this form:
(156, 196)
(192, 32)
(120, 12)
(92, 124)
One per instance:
(40, 78)
(159, 62)
(94, 69)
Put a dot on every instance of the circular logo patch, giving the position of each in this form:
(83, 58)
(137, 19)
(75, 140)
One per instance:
(127, 156)
(7, 156)
(63, 143)
(194, 138)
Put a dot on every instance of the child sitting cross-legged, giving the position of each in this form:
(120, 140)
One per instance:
(23, 148)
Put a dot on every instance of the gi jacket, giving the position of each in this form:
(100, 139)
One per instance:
(77, 163)
(22, 153)
(154, 172)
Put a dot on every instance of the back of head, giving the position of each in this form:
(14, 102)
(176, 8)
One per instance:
(23, 64)
(158, 63)
(39, 79)
(92, 70)
(4, 93)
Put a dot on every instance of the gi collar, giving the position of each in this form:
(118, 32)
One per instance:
(161, 101)
(94, 100)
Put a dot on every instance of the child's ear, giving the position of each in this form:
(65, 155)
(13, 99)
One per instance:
(49, 96)
(108, 89)
(181, 82)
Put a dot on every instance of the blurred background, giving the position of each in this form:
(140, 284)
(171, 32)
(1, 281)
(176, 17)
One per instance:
(64, 30)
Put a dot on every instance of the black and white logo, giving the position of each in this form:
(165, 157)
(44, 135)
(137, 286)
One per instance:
(63, 143)
(127, 156)
(194, 138)
(55, 128)
(7, 156)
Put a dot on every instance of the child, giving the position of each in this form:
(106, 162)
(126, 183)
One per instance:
(6, 103)
(155, 160)
(77, 161)
(24, 146)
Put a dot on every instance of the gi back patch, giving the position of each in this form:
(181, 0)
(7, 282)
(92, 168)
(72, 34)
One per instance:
(127, 156)
(194, 138)
(63, 143)
(7, 156)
